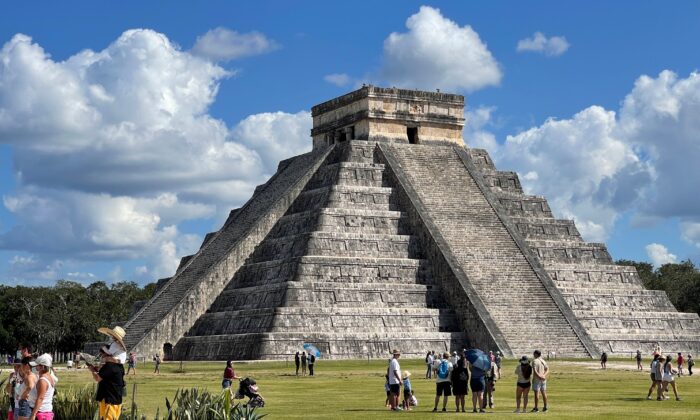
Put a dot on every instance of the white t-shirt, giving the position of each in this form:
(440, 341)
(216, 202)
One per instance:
(436, 367)
(117, 351)
(430, 360)
(394, 372)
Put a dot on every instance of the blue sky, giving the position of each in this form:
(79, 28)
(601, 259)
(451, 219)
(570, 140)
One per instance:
(120, 148)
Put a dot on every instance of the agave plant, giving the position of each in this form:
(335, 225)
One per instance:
(195, 403)
(75, 403)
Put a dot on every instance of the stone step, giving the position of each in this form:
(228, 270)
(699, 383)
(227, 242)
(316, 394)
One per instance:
(331, 243)
(333, 269)
(350, 345)
(358, 151)
(481, 158)
(330, 295)
(347, 196)
(501, 180)
(523, 205)
(311, 319)
(541, 228)
(341, 220)
(593, 275)
(348, 173)
(570, 252)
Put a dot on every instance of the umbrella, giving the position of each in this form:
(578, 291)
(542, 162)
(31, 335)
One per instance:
(311, 349)
(478, 359)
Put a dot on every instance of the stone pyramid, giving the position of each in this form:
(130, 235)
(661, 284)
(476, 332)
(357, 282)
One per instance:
(392, 234)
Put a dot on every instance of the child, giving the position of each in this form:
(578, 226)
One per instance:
(407, 391)
(388, 391)
(490, 386)
(691, 363)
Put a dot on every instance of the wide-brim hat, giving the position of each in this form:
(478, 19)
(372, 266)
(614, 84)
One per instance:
(406, 374)
(117, 333)
(43, 360)
(395, 351)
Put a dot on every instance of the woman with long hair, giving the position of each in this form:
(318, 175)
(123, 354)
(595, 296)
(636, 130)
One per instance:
(460, 383)
(23, 409)
(229, 375)
(669, 377)
(41, 397)
(522, 387)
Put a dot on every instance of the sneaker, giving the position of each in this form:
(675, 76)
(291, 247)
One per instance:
(648, 397)
(444, 409)
(544, 409)
(534, 410)
(517, 410)
(435, 410)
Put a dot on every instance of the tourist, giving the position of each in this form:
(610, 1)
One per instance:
(499, 360)
(443, 368)
(12, 388)
(429, 363)
(394, 380)
(679, 362)
(156, 359)
(490, 387)
(477, 383)
(454, 358)
(522, 387)
(460, 382)
(691, 363)
(132, 363)
(669, 378)
(639, 360)
(312, 361)
(115, 343)
(603, 360)
(407, 390)
(297, 361)
(22, 408)
(539, 381)
(41, 397)
(229, 375)
(656, 375)
(303, 363)
(110, 385)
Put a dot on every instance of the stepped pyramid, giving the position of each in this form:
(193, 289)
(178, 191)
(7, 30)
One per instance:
(391, 233)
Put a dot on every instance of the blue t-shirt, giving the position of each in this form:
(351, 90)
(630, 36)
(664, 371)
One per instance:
(477, 373)
(406, 384)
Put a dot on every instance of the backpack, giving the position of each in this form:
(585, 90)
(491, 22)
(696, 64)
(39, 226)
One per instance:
(444, 370)
(691, 362)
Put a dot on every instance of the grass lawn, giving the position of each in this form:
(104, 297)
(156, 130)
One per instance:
(355, 390)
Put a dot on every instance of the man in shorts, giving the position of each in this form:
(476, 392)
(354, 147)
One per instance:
(443, 385)
(394, 373)
(540, 371)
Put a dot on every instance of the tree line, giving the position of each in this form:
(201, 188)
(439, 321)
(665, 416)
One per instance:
(64, 317)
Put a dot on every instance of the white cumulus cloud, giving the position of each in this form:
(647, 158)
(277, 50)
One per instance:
(659, 255)
(114, 149)
(437, 53)
(222, 44)
(338, 79)
(539, 43)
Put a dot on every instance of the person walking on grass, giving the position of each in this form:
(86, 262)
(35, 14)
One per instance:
(655, 379)
(429, 364)
(157, 361)
(132, 363)
(41, 397)
(680, 361)
(229, 375)
(303, 363)
(669, 377)
(639, 360)
(297, 361)
(394, 373)
(604, 360)
(442, 369)
(478, 385)
(110, 386)
(460, 382)
(691, 363)
(522, 386)
(539, 381)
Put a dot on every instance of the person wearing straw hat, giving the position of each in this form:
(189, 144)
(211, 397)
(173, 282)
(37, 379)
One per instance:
(115, 344)
(394, 373)
(41, 396)
(407, 390)
(110, 385)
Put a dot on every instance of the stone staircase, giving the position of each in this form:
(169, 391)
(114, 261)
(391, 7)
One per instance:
(609, 300)
(340, 269)
(520, 304)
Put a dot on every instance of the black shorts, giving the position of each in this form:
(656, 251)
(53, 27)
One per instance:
(443, 388)
(406, 394)
(524, 385)
(477, 384)
(395, 388)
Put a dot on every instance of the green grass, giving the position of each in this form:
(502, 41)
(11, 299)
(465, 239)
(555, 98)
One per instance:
(355, 390)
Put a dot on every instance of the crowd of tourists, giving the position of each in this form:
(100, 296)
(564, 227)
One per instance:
(305, 362)
(663, 374)
(456, 375)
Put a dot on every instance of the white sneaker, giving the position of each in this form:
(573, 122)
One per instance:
(516, 410)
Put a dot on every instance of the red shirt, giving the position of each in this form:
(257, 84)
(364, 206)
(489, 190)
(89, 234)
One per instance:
(680, 360)
(228, 373)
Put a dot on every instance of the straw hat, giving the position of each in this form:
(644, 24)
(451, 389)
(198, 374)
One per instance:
(117, 333)
(406, 374)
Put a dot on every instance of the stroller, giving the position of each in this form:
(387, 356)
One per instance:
(247, 387)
